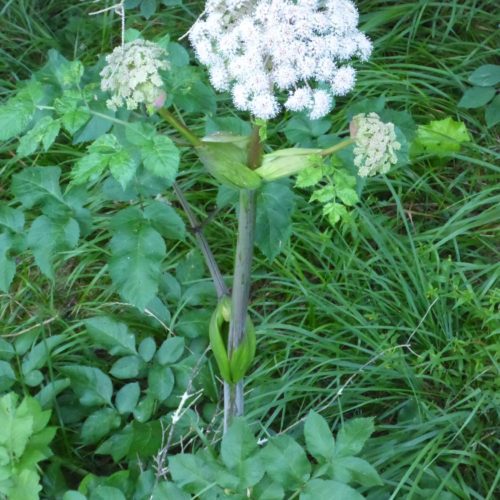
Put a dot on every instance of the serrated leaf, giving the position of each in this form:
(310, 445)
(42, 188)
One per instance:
(190, 268)
(440, 137)
(160, 382)
(75, 119)
(170, 351)
(111, 334)
(319, 439)
(352, 436)
(26, 486)
(286, 462)
(486, 75)
(160, 156)
(15, 116)
(45, 131)
(7, 264)
(91, 385)
(35, 184)
(46, 238)
(238, 443)
(275, 204)
(127, 397)
(122, 167)
(324, 194)
(334, 212)
(165, 220)
(301, 130)
(190, 472)
(47, 394)
(135, 263)
(347, 196)
(89, 168)
(99, 424)
(475, 97)
(308, 177)
(320, 489)
(39, 354)
(7, 376)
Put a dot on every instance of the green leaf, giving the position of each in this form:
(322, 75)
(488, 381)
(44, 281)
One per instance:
(275, 204)
(160, 156)
(319, 489)
(34, 185)
(7, 264)
(492, 114)
(39, 354)
(191, 268)
(145, 408)
(309, 177)
(7, 376)
(170, 351)
(148, 8)
(135, 264)
(165, 220)
(122, 167)
(45, 131)
(319, 440)
(286, 462)
(26, 486)
(361, 471)
(73, 495)
(89, 168)
(127, 397)
(486, 75)
(15, 116)
(190, 472)
(47, 395)
(164, 490)
(91, 385)
(97, 126)
(113, 335)
(127, 367)
(352, 436)
(107, 493)
(267, 490)
(99, 424)
(11, 218)
(440, 137)
(46, 238)
(160, 382)
(147, 349)
(238, 443)
(301, 130)
(16, 429)
(475, 97)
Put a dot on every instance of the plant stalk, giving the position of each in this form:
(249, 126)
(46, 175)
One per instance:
(240, 298)
(233, 393)
(180, 127)
(220, 286)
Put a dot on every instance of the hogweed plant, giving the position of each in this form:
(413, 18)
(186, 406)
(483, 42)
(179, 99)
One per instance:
(272, 57)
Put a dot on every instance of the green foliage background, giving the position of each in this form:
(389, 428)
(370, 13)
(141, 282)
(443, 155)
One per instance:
(393, 315)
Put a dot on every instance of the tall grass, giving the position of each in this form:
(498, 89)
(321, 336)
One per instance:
(395, 318)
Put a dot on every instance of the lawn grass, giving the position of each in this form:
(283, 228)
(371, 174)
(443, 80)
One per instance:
(396, 317)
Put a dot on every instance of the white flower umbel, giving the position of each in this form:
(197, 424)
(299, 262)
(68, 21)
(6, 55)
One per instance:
(375, 144)
(132, 75)
(254, 48)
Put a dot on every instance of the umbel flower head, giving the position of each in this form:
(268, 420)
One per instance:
(254, 48)
(132, 75)
(375, 144)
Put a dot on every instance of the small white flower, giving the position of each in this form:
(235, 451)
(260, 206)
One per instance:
(132, 75)
(375, 144)
(298, 46)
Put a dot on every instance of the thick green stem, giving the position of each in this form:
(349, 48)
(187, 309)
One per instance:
(233, 393)
(338, 147)
(180, 127)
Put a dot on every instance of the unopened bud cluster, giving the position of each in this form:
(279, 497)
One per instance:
(375, 144)
(254, 48)
(132, 75)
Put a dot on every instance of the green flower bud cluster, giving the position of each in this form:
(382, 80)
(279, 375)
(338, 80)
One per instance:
(132, 75)
(376, 144)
